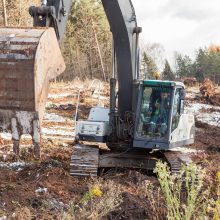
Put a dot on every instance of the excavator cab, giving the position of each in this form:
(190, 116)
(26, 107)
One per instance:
(154, 112)
(160, 119)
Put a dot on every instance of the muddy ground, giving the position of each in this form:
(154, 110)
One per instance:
(45, 188)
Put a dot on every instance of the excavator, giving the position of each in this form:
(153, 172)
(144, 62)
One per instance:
(145, 120)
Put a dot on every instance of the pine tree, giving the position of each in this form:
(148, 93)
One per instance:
(184, 66)
(167, 72)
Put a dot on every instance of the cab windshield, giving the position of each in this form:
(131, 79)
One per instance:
(154, 112)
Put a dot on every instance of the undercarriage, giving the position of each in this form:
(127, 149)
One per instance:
(89, 160)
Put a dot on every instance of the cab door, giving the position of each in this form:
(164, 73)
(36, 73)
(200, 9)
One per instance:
(182, 124)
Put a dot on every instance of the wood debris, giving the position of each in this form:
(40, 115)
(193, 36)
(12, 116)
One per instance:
(207, 88)
(190, 81)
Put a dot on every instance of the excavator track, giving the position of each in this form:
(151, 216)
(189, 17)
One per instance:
(175, 160)
(84, 160)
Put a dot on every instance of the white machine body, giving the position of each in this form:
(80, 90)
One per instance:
(96, 128)
(185, 131)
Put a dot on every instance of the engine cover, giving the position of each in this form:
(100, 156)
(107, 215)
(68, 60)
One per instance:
(96, 128)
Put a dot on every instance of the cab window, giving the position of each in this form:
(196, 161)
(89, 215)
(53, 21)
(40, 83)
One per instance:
(154, 112)
(176, 109)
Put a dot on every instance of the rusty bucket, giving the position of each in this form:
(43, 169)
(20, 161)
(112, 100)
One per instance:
(29, 59)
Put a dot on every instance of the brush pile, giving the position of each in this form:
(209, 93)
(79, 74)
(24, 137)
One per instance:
(207, 88)
(190, 81)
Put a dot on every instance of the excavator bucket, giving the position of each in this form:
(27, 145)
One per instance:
(29, 59)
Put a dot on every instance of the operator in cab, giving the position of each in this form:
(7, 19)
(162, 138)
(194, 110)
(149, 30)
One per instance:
(159, 113)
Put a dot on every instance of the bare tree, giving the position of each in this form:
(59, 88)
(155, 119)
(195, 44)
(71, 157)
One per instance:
(5, 13)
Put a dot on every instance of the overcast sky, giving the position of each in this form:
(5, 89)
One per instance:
(179, 25)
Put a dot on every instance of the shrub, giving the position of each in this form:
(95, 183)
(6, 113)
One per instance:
(194, 203)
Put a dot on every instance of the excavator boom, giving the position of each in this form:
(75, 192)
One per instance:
(123, 24)
(30, 57)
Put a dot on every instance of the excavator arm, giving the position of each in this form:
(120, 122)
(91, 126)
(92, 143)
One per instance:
(51, 13)
(123, 24)
(122, 20)
(30, 57)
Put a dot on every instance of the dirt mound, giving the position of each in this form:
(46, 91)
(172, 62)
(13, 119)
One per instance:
(136, 204)
(48, 178)
(215, 99)
(7, 175)
(46, 189)
(207, 137)
(132, 208)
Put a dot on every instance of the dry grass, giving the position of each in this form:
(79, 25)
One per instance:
(185, 195)
(22, 213)
(17, 12)
(153, 195)
(102, 198)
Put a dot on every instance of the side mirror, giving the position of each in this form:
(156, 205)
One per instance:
(182, 94)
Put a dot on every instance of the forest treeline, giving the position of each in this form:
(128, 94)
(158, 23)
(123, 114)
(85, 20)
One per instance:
(205, 65)
(87, 46)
